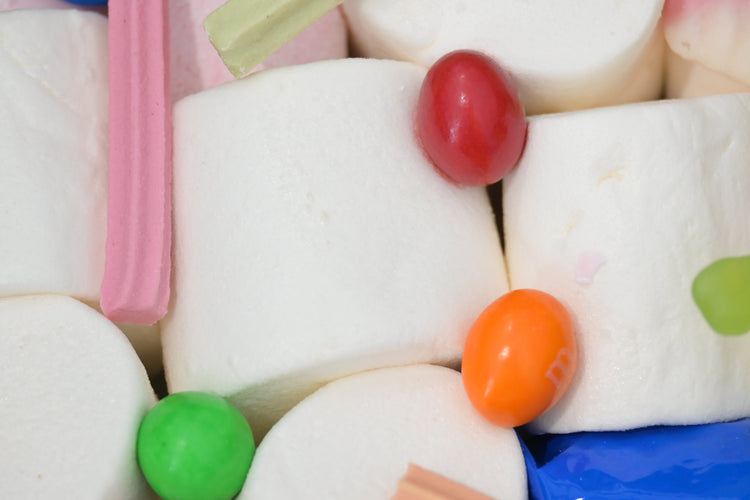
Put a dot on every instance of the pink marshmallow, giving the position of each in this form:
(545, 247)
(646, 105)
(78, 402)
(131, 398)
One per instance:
(197, 66)
(326, 39)
(676, 10)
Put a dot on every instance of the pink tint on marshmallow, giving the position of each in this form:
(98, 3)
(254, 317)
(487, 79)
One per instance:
(714, 34)
(196, 65)
(135, 288)
(675, 10)
(325, 39)
(587, 265)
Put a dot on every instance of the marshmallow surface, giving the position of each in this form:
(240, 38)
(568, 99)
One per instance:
(74, 393)
(53, 158)
(563, 55)
(355, 438)
(709, 45)
(685, 79)
(53, 152)
(615, 211)
(313, 239)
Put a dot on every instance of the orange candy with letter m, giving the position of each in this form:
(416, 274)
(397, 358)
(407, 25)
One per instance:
(520, 357)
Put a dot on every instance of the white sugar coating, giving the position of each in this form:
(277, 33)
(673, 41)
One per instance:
(355, 438)
(659, 191)
(53, 152)
(73, 394)
(313, 239)
(563, 55)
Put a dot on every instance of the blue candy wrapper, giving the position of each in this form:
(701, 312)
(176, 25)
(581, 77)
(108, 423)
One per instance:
(699, 462)
(88, 2)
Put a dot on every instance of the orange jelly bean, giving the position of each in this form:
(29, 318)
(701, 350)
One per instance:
(519, 358)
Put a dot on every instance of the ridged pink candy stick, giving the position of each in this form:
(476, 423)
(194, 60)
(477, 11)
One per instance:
(137, 266)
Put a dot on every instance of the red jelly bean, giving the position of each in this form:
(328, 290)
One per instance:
(470, 119)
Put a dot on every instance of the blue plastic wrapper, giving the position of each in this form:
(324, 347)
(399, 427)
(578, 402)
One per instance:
(700, 462)
(90, 2)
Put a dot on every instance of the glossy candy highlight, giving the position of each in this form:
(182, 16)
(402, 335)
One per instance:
(470, 119)
(195, 446)
(519, 358)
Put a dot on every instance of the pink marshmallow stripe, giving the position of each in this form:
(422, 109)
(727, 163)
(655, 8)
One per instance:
(135, 288)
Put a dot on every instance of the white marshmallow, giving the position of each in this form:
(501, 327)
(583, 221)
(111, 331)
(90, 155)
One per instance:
(53, 152)
(355, 437)
(686, 79)
(713, 41)
(314, 240)
(651, 193)
(73, 395)
(563, 55)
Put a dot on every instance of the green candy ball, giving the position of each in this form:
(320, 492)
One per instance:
(195, 446)
(722, 293)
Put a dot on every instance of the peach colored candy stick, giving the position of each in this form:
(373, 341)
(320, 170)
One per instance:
(137, 266)
(422, 484)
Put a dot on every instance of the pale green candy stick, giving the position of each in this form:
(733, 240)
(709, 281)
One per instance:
(245, 32)
(722, 292)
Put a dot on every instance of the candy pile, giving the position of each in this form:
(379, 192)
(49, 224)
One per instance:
(311, 251)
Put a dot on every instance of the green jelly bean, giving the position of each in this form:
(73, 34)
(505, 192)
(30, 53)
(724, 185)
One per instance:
(195, 446)
(722, 293)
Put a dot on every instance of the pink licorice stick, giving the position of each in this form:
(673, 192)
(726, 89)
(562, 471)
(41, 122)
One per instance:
(137, 266)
